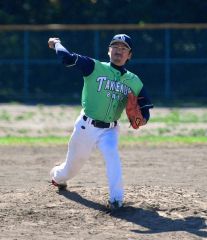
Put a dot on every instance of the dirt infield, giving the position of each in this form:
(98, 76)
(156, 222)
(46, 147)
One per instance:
(165, 195)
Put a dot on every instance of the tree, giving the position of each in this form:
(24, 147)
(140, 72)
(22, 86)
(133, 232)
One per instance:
(102, 11)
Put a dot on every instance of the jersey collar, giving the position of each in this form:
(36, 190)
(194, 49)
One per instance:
(119, 68)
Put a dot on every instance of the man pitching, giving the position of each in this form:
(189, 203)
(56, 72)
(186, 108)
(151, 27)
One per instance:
(107, 86)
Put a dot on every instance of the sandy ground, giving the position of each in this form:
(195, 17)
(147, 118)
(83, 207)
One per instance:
(165, 195)
(165, 185)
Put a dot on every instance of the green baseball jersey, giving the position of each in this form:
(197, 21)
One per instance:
(105, 91)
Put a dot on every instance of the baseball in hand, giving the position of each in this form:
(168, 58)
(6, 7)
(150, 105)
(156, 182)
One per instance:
(52, 42)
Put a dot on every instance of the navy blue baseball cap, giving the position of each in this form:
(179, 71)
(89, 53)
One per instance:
(123, 38)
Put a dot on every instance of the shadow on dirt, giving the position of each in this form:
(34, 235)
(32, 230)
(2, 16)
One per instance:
(150, 219)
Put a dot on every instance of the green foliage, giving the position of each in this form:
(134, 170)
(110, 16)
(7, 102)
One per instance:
(101, 11)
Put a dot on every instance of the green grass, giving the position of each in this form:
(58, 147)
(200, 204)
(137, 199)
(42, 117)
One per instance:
(32, 140)
(163, 139)
(24, 116)
(5, 116)
(177, 116)
(123, 140)
(171, 119)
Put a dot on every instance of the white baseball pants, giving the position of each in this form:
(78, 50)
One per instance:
(83, 140)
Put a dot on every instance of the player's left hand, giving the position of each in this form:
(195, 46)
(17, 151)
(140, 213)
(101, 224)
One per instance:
(52, 42)
(133, 112)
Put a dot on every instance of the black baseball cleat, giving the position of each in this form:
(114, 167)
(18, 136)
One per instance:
(60, 186)
(115, 205)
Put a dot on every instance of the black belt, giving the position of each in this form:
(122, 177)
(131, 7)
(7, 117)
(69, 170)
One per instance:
(99, 124)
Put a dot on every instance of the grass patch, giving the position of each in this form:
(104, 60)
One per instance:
(163, 139)
(32, 140)
(177, 116)
(5, 116)
(123, 140)
(24, 116)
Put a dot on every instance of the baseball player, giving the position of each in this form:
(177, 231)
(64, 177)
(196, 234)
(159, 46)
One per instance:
(104, 97)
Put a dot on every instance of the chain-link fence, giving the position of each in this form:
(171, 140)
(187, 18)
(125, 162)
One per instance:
(171, 60)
